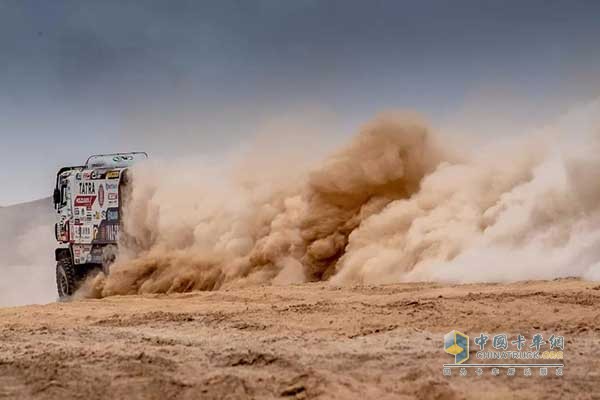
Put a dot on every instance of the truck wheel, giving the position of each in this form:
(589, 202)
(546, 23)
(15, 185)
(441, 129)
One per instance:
(65, 278)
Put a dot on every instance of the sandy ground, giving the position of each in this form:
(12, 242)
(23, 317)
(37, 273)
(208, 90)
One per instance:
(305, 341)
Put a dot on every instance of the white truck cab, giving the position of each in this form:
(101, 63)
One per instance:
(88, 200)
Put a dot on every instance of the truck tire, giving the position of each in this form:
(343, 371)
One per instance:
(65, 278)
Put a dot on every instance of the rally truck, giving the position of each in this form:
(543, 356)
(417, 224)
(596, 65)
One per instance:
(89, 200)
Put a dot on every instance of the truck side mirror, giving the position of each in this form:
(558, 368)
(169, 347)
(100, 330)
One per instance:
(56, 197)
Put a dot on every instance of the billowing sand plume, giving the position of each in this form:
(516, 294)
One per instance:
(395, 204)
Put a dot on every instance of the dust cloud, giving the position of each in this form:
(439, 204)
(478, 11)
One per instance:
(27, 268)
(27, 273)
(398, 203)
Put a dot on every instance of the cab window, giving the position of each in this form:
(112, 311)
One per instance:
(64, 188)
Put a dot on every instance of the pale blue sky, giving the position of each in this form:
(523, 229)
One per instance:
(190, 77)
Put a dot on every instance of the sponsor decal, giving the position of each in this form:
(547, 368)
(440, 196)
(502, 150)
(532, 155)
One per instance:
(113, 174)
(98, 175)
(112, 187)
(112, 214)
(106, 233)
(82, 233)
(87, 188)
(111, 232)
(101, 195)
(85, 201)
(79, 249)
(96, 255)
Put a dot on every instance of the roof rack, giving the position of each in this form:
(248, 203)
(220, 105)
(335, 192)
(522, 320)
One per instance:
(115, 160)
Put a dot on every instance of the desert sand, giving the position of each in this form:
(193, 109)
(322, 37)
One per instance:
(300, 341)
